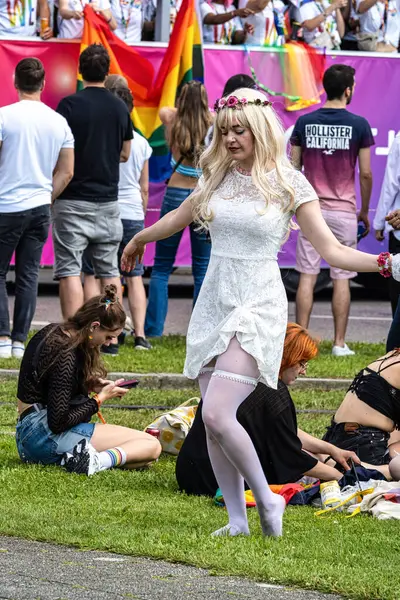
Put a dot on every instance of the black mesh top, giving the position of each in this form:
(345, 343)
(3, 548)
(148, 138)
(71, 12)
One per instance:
(373, 389)
(50, 374)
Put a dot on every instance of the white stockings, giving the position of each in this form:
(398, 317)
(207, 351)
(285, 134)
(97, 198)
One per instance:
(232, 454)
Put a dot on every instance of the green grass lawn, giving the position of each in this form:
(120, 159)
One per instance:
(142, 513)
(168, 356)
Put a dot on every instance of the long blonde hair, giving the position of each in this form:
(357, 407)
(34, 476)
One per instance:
(269, 148)
(192, 121)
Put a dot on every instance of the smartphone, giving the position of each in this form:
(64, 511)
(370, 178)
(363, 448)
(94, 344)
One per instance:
(360, 231)
(131, 383)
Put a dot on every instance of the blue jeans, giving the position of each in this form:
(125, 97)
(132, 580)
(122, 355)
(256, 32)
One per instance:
(166, 250)
(24, 233)
(36, 443)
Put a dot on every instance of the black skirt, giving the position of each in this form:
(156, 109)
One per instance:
(269, 417)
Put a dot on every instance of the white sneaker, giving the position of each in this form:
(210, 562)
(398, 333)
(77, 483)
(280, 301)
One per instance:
(5, 348)
(342, 351)
(83, 460)
(18, 349)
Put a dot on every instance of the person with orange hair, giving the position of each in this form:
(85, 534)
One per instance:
(286, 452)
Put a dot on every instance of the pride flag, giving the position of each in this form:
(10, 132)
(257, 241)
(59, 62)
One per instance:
(124, 60)
(181, 63)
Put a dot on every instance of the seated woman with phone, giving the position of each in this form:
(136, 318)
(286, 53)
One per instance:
(62, 385)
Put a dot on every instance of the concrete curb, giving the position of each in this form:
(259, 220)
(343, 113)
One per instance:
(173, 381)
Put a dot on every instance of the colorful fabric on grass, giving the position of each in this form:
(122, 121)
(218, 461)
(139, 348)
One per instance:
(182, 62)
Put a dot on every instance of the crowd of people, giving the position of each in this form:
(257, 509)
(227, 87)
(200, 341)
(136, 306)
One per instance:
(237, 189)
(367, 25)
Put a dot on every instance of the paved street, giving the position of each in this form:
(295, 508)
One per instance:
(37, 571)
(369, 318)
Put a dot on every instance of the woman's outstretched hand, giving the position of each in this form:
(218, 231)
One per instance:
(133, 252)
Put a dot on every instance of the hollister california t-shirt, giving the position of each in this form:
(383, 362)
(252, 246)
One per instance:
(330, 140)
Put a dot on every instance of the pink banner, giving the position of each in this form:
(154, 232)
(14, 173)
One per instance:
(376, 95)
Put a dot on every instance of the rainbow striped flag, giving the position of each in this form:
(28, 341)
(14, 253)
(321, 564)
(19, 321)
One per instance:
(124, 60)
(182, 62)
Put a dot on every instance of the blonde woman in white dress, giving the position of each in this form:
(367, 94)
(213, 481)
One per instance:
(246, 197)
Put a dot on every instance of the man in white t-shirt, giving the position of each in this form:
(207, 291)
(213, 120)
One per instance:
(36, 164)
(222, 24)
(381, 19)
(19, 17)
(322, 22)
(70, 24)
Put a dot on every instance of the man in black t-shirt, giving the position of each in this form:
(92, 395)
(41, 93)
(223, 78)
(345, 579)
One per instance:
(86, 215)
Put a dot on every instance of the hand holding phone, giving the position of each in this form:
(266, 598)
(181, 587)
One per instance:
(129, 384)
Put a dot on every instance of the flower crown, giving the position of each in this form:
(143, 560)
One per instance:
(238, 103)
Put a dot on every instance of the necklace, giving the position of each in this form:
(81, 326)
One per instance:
(243, 171)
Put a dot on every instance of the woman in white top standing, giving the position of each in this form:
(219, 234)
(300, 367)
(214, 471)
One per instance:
(323, 23)
(70, 23)
(263, 22)
(130, 17)
(380, 22)
(247, 197)
(221, 22)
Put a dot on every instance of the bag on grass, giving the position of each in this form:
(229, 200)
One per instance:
(175, 425)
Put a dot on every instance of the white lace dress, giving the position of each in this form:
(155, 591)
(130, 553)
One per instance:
(242, 293)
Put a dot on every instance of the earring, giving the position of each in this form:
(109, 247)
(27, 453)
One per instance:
(90, 336)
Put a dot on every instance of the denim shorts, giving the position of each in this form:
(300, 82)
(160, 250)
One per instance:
(369, 443)
(78, 224)
(36, 443)
(130, 228)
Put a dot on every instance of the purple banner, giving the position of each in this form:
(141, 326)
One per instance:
(376, 96)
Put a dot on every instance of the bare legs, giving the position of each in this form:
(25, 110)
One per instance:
(140, 448)
(340, 308)
(72, 296)
(340, 304)
(91, 286)
(232, 454)
(305, 299)
(137, 303)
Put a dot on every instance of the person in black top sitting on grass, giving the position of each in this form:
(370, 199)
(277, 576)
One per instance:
(269, 417)
(62, 385)
(368, 420)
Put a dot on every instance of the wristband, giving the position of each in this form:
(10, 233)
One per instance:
(109, 20)
(96, 398)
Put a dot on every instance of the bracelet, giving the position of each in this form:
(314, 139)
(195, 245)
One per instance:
(96, 397)
(102, 419)
(384, 267)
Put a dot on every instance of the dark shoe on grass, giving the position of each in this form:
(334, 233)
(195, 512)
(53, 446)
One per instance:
(142, 344)
(111, 350)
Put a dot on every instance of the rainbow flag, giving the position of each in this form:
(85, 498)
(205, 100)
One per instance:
(182, 62)
(124, 60)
